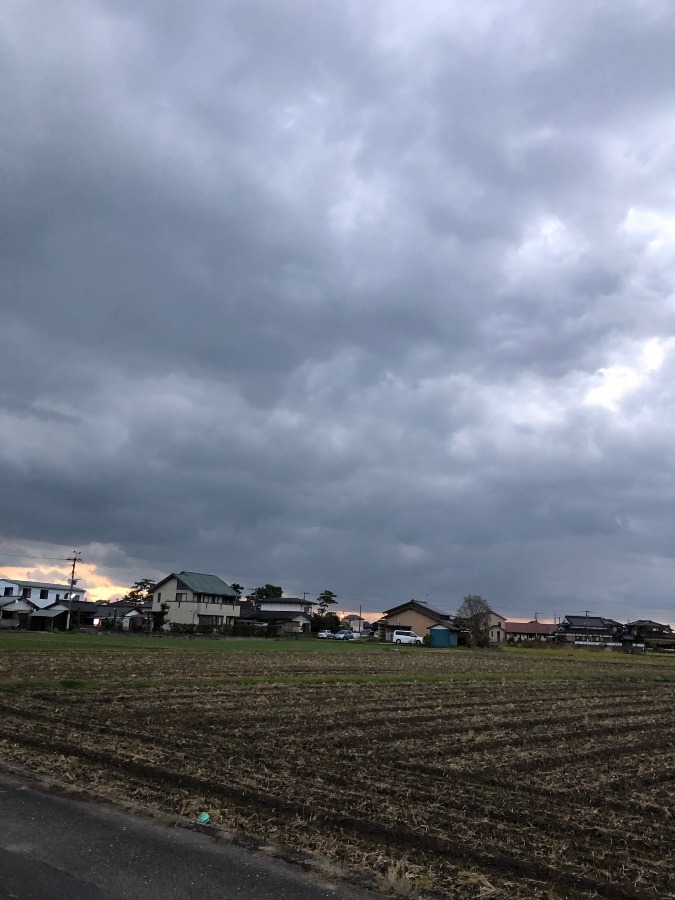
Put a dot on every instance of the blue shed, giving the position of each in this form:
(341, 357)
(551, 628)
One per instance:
(442, 635)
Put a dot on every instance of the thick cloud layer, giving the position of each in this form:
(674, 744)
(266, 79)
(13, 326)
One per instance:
(374, 297)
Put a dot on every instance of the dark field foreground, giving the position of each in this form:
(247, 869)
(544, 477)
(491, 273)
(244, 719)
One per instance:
(470, 774)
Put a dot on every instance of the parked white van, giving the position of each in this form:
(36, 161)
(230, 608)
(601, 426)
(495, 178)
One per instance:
(406, 637)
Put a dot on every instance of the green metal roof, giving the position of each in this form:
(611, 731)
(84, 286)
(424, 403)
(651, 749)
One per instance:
(200, 583)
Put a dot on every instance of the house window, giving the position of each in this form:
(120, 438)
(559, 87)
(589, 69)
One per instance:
(8, 592)
(44, 595)
(26, 592)
(159, 596)
(181, 596)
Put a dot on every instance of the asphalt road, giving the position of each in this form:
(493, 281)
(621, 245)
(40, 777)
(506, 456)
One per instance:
(54, 847)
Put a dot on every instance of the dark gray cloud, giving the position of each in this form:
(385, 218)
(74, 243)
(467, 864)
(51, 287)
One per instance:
(372, 298)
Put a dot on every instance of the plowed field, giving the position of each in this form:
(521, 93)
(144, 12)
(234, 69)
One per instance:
(509, 774)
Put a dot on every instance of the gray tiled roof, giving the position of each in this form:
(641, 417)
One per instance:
(49, 612)
(8, 601)
(591, 622)
(645, 622)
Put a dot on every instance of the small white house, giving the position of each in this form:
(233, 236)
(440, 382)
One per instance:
(354, 622)
(135, 620)
(286, 604)
(15, 612)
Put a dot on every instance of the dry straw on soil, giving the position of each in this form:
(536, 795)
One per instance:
(470, 775)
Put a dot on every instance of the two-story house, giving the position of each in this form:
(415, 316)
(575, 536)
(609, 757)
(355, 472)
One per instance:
(651, 634)
(39, 593)
(194, 598)
(496, 628)
(589, 629)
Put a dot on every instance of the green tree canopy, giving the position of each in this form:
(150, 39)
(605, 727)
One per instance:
(328, 622)
(266, 592)
(325, 599)
(140, 592)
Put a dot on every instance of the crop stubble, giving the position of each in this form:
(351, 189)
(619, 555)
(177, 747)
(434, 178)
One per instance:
(516, 788)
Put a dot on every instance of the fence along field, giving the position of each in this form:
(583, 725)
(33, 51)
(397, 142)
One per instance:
(510, 774)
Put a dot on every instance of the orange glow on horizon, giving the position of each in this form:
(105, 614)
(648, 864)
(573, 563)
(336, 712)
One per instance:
(98, 587)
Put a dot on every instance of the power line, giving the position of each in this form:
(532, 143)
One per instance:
(129, 568)
(27, 556)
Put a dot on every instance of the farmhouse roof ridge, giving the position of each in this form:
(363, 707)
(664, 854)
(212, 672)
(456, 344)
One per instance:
(287, 600)
(201, 583)
(647, 622)
(588, 620)
(420, 607)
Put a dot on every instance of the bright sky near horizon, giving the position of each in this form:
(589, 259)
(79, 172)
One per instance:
(370, 297)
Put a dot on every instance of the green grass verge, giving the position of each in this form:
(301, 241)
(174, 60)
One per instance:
(106, 641)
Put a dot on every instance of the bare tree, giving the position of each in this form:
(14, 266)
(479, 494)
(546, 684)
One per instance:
(474, 615)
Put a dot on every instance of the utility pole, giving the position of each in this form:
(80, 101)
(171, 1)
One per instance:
(75, 558)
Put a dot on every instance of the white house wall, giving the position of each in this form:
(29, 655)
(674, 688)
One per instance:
(165, 595)
(270, 606)
(54, 595)
(187, 613)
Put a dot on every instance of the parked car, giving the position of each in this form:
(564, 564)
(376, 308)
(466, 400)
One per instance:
(325, 635)
(344, 635)
(407, 637)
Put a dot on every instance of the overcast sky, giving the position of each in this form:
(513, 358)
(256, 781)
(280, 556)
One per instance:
(374, 296)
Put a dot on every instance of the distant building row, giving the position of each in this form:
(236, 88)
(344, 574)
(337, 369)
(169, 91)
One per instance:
(442, 629)
(42, 606)
(194, 600)
(197, 600)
